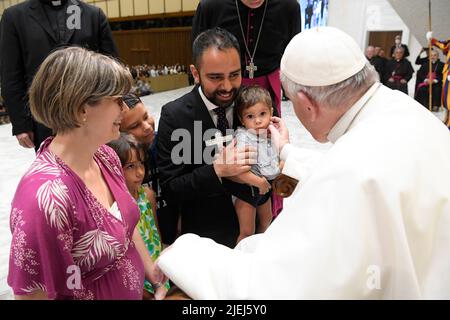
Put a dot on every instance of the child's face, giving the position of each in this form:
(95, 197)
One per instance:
(134, 171)
(256, 117)
(139, 123)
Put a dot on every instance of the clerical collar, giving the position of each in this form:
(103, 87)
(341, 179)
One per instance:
(209, 105)
(346, 120)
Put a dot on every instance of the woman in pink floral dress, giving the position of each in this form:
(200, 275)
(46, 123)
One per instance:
(72, 219)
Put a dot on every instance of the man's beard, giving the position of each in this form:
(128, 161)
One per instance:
(213, 98)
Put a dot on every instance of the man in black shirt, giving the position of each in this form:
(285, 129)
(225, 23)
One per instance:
(193, 181)
(399, 71)
(376, 61)
(422, 86)
(29, 32)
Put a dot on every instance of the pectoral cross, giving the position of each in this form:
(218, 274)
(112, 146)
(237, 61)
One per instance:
(251, 68)
(218, 140)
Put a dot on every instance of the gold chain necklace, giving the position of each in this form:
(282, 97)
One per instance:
(251, 68)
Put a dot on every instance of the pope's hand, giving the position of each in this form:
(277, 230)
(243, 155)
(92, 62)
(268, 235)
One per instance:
(429, 36)
(279, 133)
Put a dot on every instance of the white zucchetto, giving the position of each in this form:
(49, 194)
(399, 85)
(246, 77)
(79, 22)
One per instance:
(322, 56)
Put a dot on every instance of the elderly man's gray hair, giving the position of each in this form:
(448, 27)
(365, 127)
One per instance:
(335, 95)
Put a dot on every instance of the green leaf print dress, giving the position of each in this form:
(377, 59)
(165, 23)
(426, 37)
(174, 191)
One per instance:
(149, 231)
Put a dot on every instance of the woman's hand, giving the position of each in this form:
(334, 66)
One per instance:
(158, 281)
(152, 271)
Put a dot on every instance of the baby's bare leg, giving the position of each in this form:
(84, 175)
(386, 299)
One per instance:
(264, 213)
(246, 215)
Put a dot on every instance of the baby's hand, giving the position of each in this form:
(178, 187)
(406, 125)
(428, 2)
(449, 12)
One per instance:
(264, 186)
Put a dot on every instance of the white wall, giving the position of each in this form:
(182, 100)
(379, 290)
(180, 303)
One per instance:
(415, 14)
(359, 17)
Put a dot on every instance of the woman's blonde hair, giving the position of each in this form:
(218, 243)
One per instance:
(70, 78)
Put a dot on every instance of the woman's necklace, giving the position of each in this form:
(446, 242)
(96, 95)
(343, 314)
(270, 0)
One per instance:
(251, 68)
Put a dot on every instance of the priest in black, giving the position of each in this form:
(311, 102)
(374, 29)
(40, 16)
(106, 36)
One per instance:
(423, 76)
(399, 71)
(378, 63)
(190, 131)
(29, 32)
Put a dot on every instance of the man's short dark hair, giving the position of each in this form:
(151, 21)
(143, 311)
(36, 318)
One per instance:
(217, 38)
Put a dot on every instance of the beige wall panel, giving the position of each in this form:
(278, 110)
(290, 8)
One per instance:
(173, 6)
(7, 3)
(2, 8)
(155, 46)
(156, 6)
(126, 8)
(140, 7)
(190, 5)
(102, 5)
(113, 8)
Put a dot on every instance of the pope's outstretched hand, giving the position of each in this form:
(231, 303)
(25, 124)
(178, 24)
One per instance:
(279, 133)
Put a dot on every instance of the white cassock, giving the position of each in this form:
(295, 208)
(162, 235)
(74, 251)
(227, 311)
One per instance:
(370, 217)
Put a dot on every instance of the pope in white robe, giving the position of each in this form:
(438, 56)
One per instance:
(370, 217)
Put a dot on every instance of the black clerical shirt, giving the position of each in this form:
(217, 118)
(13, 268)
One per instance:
(57, 17)
(281, 24)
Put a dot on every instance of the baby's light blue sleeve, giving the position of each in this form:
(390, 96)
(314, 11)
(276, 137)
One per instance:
(241, 138)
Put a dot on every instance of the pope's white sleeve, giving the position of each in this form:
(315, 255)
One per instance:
(196, 265)
(299, 161)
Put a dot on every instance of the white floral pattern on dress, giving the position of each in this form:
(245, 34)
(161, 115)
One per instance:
(67, 239)
(52, 197)
(130, 276)
(107, 155)
(35, 286)
(16, 218)
(83, 294)
(95, 207)
(46, 164)
(23, 257)
(94, 245)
